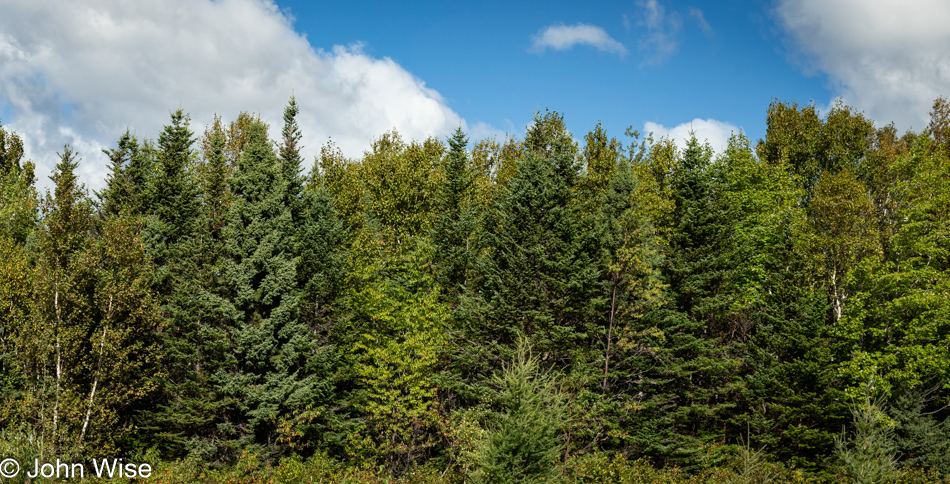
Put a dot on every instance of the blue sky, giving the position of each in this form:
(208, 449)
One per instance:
(83, 71)
(481, 58)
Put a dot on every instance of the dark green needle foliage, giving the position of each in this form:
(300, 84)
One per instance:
(269, 343)
(690, 317)
(525, 435)
(456, 221)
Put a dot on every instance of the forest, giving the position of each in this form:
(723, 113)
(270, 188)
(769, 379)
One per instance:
(545, 309)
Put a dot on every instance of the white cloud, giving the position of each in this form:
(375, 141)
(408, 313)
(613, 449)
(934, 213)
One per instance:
(888, 58)
(81, 72)
(662, 30)
(562, 37)
(697, 14)
(480, 131)
(715, 132)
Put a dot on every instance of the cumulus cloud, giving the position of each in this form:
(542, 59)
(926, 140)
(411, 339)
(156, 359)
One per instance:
(562, 37)
(716, 133)
(82, 72)
(887, 58)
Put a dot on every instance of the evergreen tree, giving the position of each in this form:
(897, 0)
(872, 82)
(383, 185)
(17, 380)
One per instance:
(318, 242)
(271, 346)
(455, 223)
(289, 150)
(174, 204)
(120, 190)
(690, 393)
(525, 438)
(539, 279)
(190, 416)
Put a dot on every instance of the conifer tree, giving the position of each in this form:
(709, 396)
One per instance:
(525, 437)
(120, 188)
(689, 394)
(174, 199)
(193, 408)
(270, 344)
(539, 279)
(455, 223)
(289, 150)
(318, 242)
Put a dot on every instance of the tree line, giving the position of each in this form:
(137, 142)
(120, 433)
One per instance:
(496, 308)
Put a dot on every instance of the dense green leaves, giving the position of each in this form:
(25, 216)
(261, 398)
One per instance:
(701, 311)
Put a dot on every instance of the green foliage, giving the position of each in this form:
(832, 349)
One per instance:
(368, 321)
(869, 454)
(808, 146)
(269, 345)
(127, 184)
(397, 330)
(174, 201)
(897, 326)
(921, 437)
(400, 186)
(525, 438)
(18, 199)
(454, 229)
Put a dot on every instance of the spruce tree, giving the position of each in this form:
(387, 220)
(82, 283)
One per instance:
(454, 228)
(173, 205)
(289, 150)
(189, 417)
(120, 188)
(271, 346)
(539, 279)
(318, 242)
(689, 394)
